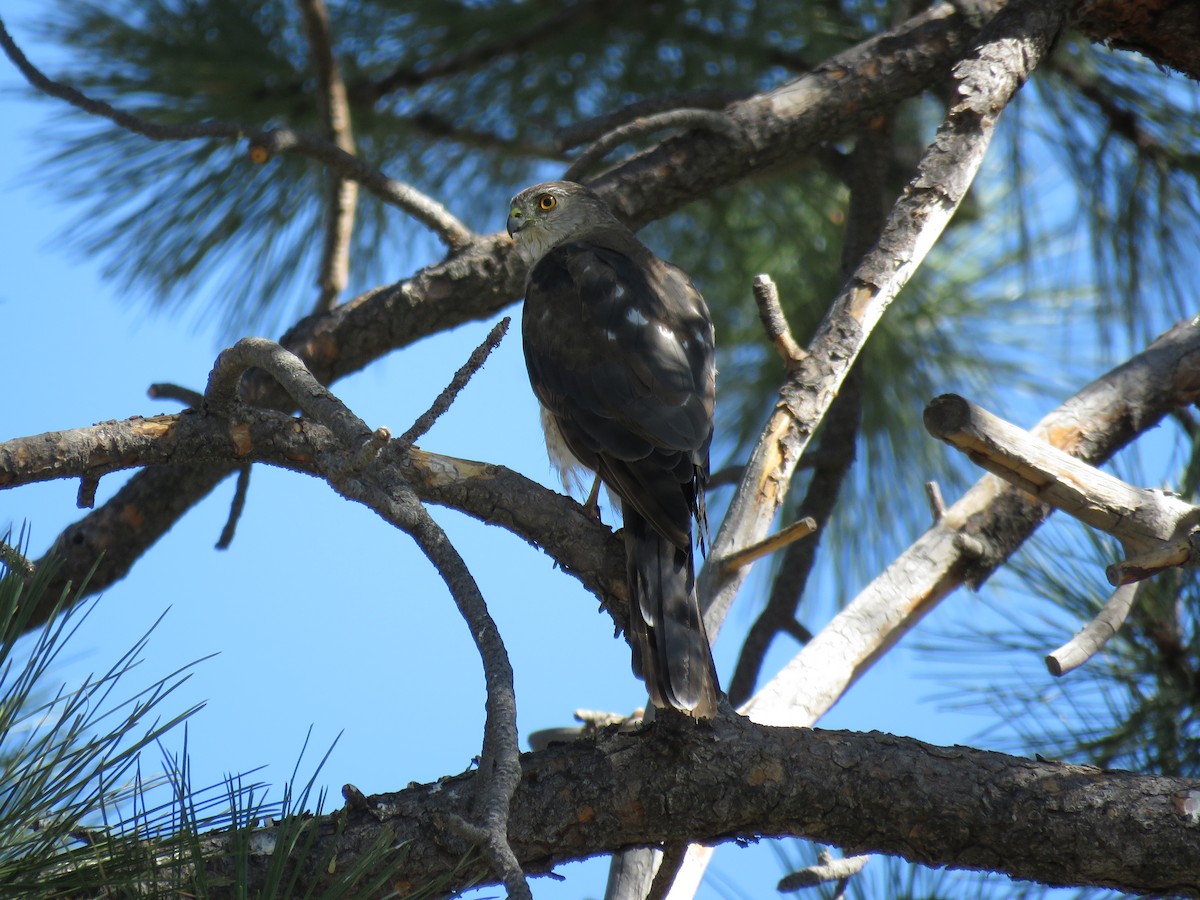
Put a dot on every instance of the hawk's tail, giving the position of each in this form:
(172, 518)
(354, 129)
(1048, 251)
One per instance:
(671, 652)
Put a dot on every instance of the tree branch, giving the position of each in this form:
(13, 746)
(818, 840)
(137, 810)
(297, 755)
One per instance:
(1008, 51)
(952, 807)
(979, 532)
(583, 547)
(342, 196)
(352, 468)
(703, 119)
(263, 145)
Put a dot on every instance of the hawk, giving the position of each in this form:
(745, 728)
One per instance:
(619, 347)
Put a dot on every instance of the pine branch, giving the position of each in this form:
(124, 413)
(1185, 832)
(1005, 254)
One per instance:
(263, 145)
(953, 807)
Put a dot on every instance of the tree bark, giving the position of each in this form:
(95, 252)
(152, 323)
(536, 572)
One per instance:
(942, 806)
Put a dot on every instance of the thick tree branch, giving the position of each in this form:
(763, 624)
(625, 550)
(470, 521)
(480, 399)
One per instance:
(1142, 520)
(953, 807)
(582, 546)
(1165, 31)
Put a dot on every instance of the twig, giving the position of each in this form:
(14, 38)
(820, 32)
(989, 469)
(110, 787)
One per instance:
(550, 28)
(342, 194)
(236, 506)
(937, 504)
(164, 391)
(828, 869)
(1088, 642)
(590, 129)
(801, 528)
(457, 383)
(766, 297)
(15, 560)
(703, 119)
(88, 484)
(263, 145)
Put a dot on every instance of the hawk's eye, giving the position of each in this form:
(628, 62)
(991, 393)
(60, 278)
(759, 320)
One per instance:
(547, 202)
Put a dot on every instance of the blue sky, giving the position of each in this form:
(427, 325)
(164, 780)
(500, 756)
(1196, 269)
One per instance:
(320, 615)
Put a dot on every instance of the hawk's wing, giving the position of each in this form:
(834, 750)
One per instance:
(619, 348)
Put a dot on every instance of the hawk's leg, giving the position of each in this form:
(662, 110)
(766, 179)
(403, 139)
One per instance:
(592, 506)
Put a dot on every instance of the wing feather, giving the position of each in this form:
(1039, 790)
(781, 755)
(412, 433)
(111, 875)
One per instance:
(620, 351)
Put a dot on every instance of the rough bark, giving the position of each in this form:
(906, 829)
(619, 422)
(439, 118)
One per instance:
(1166, 32)
(942, 806)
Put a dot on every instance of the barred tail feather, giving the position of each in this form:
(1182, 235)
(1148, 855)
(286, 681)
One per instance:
(671, 652)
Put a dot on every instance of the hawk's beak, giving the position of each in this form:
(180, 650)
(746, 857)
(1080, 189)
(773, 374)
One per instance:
(515, 222)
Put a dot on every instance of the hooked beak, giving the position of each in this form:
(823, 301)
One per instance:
(516, 221)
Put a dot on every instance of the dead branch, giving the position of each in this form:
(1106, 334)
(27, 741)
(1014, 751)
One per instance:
(1142, 520)
(1093, 425)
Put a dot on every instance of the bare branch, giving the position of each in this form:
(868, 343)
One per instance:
(263, 144)
(1008, 51)
(937, 504)
(1142, 520)
(799, 529)
(236, 507)
(703, 119)
(766, 297)
(1181, 551)
(591, 129)
(186, 396)
(457, 383)
(994, 518)
(828, 869)
(342, 195)
(357, 475)
(1095, 634)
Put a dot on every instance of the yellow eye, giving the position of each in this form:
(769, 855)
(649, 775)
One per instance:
(547, 202)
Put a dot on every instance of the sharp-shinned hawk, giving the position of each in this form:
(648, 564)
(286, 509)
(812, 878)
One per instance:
(619, 346)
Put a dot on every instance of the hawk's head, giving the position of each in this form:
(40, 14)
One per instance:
(548, 214)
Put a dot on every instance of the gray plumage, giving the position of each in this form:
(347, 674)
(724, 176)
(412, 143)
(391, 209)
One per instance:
(619, 347)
